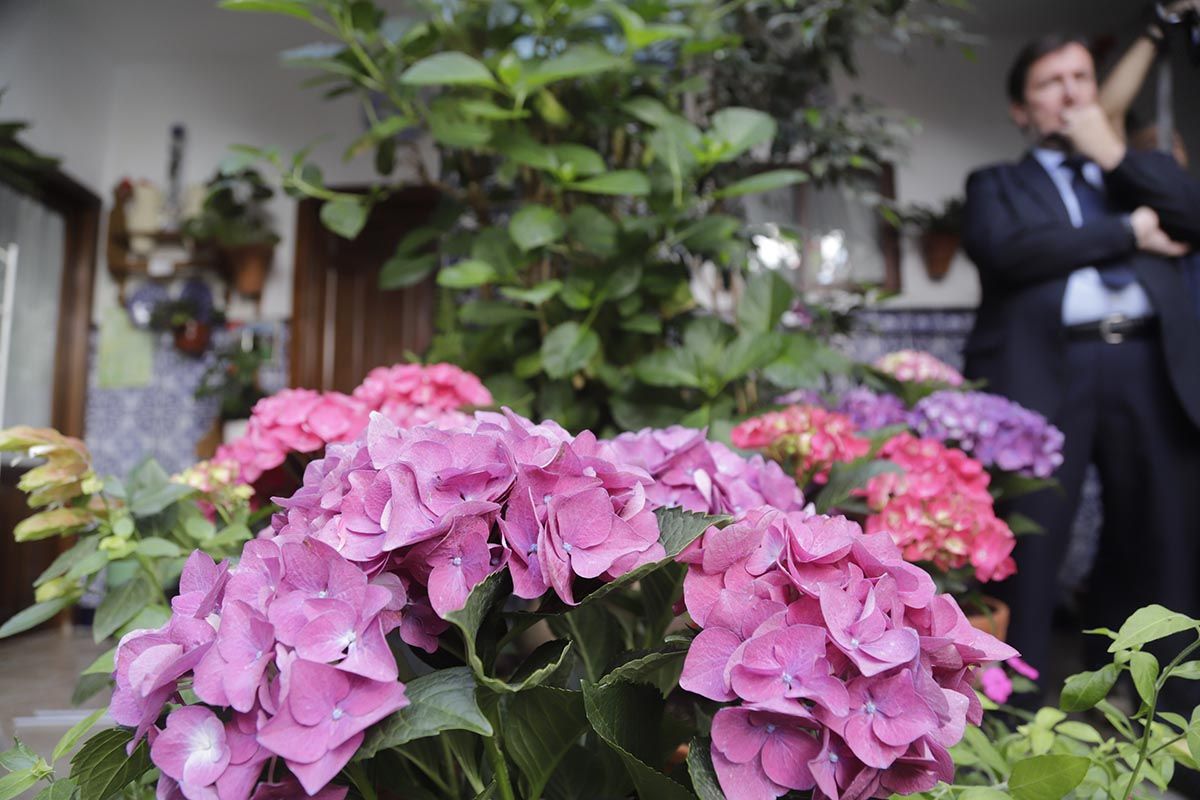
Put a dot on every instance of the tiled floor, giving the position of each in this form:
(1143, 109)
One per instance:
(37, 675)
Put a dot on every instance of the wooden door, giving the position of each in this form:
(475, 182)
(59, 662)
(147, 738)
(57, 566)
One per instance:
(343, 325)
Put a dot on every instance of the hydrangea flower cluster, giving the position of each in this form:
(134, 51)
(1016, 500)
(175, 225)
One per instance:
(415, 394)
(809, 437)
(917, 366)
(305, 421)
(993, 429)
(938, 510)
(693, 473)
(869, 411)
(388, 533)
(288, 656)
(843, 671)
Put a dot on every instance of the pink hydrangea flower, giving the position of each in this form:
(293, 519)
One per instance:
(192, 750)
(440, 387)
(917, 366)
(809, 438)
(996, 684)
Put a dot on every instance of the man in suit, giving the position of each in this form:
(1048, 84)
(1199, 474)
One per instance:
(1085, 318)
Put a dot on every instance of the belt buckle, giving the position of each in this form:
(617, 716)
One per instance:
(1107, 333)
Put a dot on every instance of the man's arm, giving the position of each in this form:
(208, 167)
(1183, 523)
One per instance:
(1155, 180)
(1013, 253)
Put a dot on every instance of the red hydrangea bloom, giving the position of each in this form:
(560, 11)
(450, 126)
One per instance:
(809, 438)
(938, 510)
(917, 366)
(842, 671)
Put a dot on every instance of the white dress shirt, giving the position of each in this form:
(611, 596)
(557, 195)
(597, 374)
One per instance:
(1087, 299)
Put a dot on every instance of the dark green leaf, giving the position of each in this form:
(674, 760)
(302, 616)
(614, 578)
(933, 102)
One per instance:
(1150, 624)
(72, 737)
(1049, 777)
(567, 349)
(482, 600)
(804, 363)
(711, 233)
(766, 297)
(344, 215)
(739, 129)
(443, 700)
(594, 230)
(466, 274)
(101, 767)
(66, 560)
(540, 725)
(623, 716)
(649, 667)
(33, 616)
(625, 181)
(596, 635)
(763, 182)
(668, 367)
(536, 226)
(120, 605)
(104, 663)
(577, 161)
(749, 352)
(400, 272)
(61, 789)
(492, 312)
(844, 479)
(577, 62)
(1085, 690)
(448, 69)
(548, 660)
(700, 770)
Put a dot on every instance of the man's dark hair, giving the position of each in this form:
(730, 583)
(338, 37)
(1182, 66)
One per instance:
(1032, 52)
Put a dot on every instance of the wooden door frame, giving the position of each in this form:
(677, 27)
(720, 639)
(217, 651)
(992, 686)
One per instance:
(80, 209)
(312, 323)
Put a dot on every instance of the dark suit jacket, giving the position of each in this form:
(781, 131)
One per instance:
(1017, 231)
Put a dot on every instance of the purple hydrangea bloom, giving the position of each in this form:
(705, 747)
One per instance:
(993, 430)
(870, 411)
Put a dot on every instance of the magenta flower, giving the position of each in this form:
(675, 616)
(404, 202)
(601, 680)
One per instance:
(454, 564)
(996, 684)
(788, 663)
(192, 750)
(200, 586)
(322, 715)
(762, 754)
(290, 789)
(886, 716)
(858, 626)
(231, 673)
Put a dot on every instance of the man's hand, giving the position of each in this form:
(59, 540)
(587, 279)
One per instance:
(1089, 131)
(1150, 236)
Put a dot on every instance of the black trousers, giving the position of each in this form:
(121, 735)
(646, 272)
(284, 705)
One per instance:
(1121, 414)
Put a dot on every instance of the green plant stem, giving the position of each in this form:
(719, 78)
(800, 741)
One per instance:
(503, 785)
(1148, 725)
(148, 568)
(358, 775)
(1167, 744)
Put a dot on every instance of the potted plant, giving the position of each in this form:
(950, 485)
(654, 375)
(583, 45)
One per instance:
(233, 378)
(189, 318)
(940, 235)
(235, 218)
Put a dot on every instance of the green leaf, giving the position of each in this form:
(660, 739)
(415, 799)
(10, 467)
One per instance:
(344, 215)
(120, 605)
(766, 297)
(622, 181)
(101, 767)
(1150, 624)
(596, 634)
(983, 793)
(1048, 777)
(449, 126)
(493, 312)
(542, 664)
(1079, 731)
(844, 479)
(1193, 735)
(536, 226)
(443, 700)
(647, 668)
(291, 8)
(486, 109)
(577, 62)
(700, 770)
(540, 725)
(1143, 667)
(622, 715)
(400, 272)
(567, 349)
(749, 352)
(104, 664)
(1085, 690)
(1188, 670)
(61, 789)
(72, 737)
(535, 295)
(804, 363)
(68, 559)
(486, 596)
(576, 160)
(668, 367)
(594, 230)
(56, 522)
(466, 274)
(18, 758)
(448, 69)
(762, 182)
(711, 233)
(522, 148)
(15, 783)
(33, 616)
(156, 547)
(739, 129)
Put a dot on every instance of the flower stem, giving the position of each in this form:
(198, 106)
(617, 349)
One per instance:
(503, 785)
(1148, 725)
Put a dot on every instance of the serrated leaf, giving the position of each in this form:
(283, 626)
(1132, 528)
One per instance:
(345, 216)
(443, 700)
(1047, 777)
(101, 767)
(120, 605)
(33, 616)
(540, 725)
(620, 713)
(700, 769)
(645, 668)
(72, 737)
(1150, 624)
(486, 595)
(544, 662)
(1085, 690)
(448, 69)
(762, 182)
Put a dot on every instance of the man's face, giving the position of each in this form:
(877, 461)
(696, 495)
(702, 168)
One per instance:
(1057, 81)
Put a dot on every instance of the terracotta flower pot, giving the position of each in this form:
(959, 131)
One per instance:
(192, 337)
(939, 248)
(994, 620)
(250, 264)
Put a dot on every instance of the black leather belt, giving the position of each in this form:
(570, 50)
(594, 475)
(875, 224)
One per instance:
(1114, 329)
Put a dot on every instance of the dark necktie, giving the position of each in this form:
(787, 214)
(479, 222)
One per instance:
(1094, 205)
